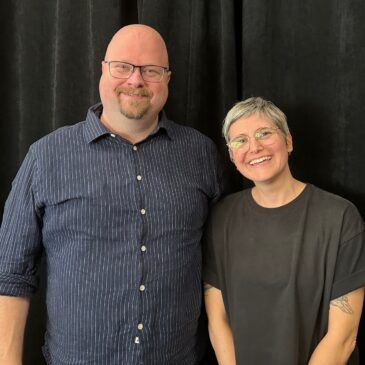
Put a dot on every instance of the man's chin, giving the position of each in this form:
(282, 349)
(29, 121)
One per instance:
(134, 114)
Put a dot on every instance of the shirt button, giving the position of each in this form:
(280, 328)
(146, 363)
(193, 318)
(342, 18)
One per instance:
(143, 211)
(112, 135)
(143, 248)
(136, 340)
(139, 177)
(140, 326)
(142, 287)
(135, 148)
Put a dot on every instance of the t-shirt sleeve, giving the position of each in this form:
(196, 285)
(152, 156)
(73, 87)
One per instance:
(350, 263)
(210, 256)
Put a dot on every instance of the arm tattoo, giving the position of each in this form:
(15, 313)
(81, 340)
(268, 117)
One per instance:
(343, 304)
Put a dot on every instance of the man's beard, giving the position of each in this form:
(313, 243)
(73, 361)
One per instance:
(134, 109)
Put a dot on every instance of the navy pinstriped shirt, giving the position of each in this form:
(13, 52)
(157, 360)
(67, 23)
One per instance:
(120, 225)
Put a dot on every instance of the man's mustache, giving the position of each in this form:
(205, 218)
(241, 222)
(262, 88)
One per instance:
(134, 91)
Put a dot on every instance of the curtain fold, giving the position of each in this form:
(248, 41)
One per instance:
(202, 44)
(307, 57)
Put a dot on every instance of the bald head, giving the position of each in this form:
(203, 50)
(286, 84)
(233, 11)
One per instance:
(126, 100)
(138, 39)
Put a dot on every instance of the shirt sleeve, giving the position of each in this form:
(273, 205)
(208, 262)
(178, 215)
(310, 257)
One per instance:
(350, 263)
(20, 234)
(219, 180)
(211, 262)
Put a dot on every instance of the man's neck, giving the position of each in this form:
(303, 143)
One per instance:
(133, 130)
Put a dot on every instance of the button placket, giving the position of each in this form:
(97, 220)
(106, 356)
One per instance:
(142, 287)
(143, 211)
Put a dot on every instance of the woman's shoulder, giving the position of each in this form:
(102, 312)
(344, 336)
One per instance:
(336, 209)
(228, 205)
(329, 200)
(232, 199)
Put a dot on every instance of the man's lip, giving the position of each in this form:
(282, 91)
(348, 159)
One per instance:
(133, 95)
(133, 92)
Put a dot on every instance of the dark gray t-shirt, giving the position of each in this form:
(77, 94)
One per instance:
(278, 269)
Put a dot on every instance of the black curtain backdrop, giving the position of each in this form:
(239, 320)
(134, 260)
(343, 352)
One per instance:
(306, 56)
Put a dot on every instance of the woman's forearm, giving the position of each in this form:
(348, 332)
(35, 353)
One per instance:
(219, 329)
(331, 351)
(343, 322)
(222, 341)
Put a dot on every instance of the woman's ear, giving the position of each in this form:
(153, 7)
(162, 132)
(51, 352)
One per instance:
(289, 143)
(230, 155)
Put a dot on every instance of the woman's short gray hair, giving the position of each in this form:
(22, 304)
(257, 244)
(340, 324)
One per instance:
(255, 105)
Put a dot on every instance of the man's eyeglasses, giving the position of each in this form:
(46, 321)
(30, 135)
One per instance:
(242, 142)
(124, 70)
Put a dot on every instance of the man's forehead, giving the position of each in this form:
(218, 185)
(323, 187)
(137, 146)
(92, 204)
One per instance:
(138, 43)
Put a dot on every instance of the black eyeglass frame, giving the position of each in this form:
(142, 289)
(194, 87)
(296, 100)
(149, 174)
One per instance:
(164, 70)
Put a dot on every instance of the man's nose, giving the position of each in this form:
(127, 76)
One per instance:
(136, 77)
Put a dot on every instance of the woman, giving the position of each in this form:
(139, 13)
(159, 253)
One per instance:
(284, 261)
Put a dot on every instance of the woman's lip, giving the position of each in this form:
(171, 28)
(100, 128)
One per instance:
(259, 160)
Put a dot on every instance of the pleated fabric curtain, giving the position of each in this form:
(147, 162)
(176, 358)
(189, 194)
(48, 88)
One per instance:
(306, 56)
(204, 52)
(52, 52)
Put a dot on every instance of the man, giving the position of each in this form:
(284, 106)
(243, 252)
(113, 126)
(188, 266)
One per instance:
(117, 203)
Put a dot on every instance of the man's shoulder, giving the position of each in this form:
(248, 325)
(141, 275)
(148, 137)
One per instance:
(185, 132)
(60, 136)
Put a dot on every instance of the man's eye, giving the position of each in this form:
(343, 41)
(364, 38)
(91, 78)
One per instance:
(121, 67)
(150, 71)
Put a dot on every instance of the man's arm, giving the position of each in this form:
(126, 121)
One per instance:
(343, 324)
(219, 329)
(13, 315)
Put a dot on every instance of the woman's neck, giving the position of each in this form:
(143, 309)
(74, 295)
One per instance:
(275, 195)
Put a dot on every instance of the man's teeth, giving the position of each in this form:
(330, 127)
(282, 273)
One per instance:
(132, 94)
(259, 160)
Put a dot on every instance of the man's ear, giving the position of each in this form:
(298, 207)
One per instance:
(168, 76)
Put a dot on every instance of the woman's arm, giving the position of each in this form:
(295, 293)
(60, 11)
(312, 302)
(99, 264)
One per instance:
(219, 329)
(343, 324)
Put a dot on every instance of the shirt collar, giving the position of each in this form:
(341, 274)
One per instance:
(95, 129)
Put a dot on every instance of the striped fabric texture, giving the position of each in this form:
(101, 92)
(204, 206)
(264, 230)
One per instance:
(120, 226)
